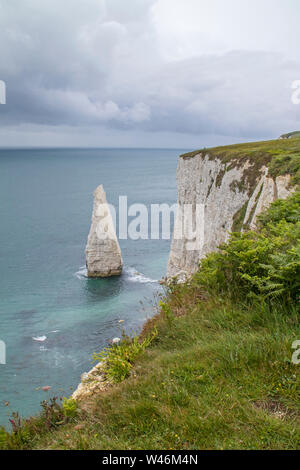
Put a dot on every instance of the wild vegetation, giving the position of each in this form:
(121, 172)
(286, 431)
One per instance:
(118, 359)
(262, 265)
(291, 135)
(213, 369)
(281, 156)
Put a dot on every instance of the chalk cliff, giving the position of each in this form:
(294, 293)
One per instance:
(233, 186)
(103, 253)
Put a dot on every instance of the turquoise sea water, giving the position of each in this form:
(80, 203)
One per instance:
(46, 205)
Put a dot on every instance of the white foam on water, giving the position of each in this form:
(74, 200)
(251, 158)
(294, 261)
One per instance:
(134, 276)
(82, 273)
(40, 339)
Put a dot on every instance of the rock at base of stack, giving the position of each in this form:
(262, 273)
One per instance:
(103, 253)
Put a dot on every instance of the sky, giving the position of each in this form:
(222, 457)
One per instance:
(148, 73)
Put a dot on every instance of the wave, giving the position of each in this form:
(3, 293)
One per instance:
(82, 273)
(131, 275)
(40, 339)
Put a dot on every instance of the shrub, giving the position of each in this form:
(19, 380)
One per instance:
(282, 210)
(265, 265)
(52, 413)
(70, 408)
(284, 163)
(118, 359)
(20, 436)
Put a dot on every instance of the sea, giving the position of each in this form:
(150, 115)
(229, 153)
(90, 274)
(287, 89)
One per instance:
(52, 317)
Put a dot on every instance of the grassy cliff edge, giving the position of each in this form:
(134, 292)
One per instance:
(215, 369)
(281, 156)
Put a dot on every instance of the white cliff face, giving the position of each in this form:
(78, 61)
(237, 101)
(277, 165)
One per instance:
(103, 253)
(233, 195)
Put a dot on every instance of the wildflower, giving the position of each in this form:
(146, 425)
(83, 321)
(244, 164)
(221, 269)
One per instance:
(46, 389)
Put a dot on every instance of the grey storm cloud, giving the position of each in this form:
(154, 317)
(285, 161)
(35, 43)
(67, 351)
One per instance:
(102, 63)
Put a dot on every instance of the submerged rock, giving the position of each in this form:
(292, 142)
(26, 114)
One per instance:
(103, 253)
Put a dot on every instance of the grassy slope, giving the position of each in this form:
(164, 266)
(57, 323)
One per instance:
(291, 135)
(267, 147)
(282, 156)
(218, 375)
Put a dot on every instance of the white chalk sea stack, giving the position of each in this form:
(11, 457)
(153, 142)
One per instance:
(103, 253)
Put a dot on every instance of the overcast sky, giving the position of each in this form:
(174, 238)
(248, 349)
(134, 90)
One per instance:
(153, 73)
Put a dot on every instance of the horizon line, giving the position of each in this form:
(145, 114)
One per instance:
(21, 147)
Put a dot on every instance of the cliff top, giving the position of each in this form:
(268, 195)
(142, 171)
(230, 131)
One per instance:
(282, 156)
(290, 135)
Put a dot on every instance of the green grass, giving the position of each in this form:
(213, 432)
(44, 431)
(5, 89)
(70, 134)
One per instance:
(281, 156)
(218, 376)
(213, 369)
(291, 135)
